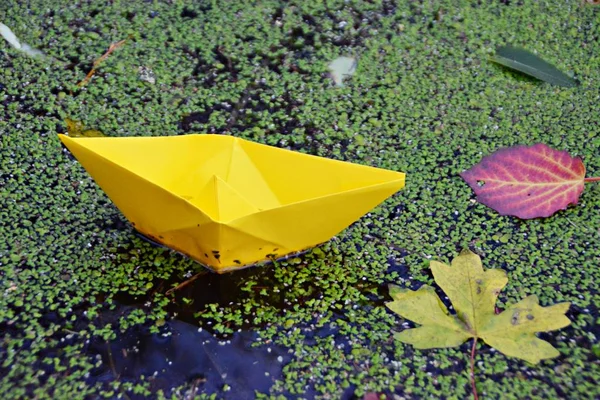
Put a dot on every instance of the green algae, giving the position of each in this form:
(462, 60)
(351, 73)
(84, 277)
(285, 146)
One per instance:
(424, 100)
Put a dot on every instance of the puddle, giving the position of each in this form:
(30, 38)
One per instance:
(181, 354)
(188, 353)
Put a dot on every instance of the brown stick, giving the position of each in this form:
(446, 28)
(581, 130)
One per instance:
(111, 48)
(185, 283)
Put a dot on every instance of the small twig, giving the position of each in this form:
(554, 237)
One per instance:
(185, 283)
(238, 107)
(111, 362)
(578, 227)
(595, 179)
(39, 249)
(112, 47)
(214, 363)
(157, 288)
(195, 388)
(246, 94)
(219, 51)
(475, 397)
(380, 240)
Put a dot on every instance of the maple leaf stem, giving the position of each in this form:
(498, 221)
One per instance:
(475, 397)
(595, 179)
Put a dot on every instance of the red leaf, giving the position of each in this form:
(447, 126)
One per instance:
(527, 181)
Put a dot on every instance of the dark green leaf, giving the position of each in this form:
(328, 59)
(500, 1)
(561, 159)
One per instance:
(530, 64)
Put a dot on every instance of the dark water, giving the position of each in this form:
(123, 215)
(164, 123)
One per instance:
(181, 354)
(199, 360)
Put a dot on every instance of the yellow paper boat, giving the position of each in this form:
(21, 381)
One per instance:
(228, 202)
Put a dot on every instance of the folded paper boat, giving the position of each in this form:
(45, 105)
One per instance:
(227, 202)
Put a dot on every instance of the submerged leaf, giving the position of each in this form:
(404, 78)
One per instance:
(527, 181)
(473, 292)
(12, 39)
(530, 64)
(341, 68)
(76, 129)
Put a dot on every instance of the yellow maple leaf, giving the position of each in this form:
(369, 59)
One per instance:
(473, 292)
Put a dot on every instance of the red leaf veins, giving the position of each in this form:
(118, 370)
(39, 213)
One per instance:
(527, 181)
